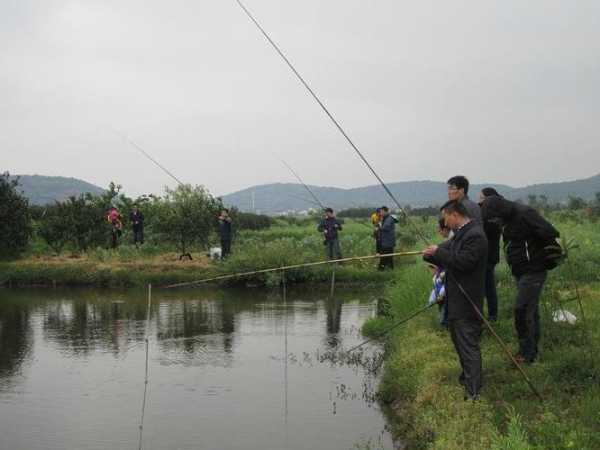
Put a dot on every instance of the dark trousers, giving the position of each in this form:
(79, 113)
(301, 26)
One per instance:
(443, 309)
(332, 248)
(115, 235)
(138, 235)
(466, 335)
(527, 314)
(386, 262)
(491, 295)
(225, 247)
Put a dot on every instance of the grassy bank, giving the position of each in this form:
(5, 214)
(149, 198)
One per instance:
(420, 386)
(284, 244)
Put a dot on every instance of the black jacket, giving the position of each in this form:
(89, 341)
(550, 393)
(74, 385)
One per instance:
(493, 231)
(330, 226)
(464, 258)
(137, 220)
(387, 232)
(525, 233)
(225, 229)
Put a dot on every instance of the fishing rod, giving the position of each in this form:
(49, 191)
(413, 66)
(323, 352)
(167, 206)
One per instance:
(293, 266)
(317, 201)
(388, 191)
(147, 155)
(330, 115)
(396, 325)
(298, 197)
(305, 185)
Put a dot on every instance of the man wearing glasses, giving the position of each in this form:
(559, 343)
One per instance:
(458, 189)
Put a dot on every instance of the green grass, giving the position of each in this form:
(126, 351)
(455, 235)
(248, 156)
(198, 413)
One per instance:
(283, 244)
(425, 401)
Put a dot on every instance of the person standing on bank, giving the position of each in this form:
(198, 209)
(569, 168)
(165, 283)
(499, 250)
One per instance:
(458, 189)
(387, 236)
(529, 241)
(330, 227)
(376, 221)
(137, 225)
(464, 258)
(225, 233)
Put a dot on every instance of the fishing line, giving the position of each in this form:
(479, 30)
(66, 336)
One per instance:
(285, 346)
(388, 191)
(146, 370)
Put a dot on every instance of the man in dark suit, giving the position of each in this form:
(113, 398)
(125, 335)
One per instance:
(464, 258)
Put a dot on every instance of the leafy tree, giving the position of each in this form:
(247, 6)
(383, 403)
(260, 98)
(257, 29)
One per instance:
(15, 220)
(80, 221)
(532, 200)
(576, 203)
(249, 221)
(186, 216)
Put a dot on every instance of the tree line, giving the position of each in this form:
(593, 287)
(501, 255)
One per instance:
(182, 218)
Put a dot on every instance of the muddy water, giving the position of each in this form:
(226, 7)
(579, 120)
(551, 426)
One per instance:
(72, 370)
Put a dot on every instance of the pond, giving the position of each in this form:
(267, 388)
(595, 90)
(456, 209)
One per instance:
(227, 369)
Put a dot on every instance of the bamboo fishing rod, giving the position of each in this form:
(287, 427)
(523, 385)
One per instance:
(283, 268)
(388, 191)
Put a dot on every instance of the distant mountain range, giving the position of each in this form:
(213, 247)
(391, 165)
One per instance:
(42, 190)
(289, 197)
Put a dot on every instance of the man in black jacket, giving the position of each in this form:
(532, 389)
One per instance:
(387, 236)
(527, 237)
(464, 259)
(137, 224)
(330, 226)
(225, 233)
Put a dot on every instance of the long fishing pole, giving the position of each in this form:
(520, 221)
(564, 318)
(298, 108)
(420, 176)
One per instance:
(388, 191)
(298, 197)
(304, 184)
(293, 266)
(147, 155)
(330, 115)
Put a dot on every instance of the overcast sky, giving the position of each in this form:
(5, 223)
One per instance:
(502, 91)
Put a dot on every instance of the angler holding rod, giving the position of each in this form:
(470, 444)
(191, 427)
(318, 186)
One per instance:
(450, 275)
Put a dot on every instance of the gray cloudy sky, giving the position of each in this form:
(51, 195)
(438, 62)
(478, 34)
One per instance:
(505, 91)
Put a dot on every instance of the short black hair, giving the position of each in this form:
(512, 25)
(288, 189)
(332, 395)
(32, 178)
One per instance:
(442, 224)
(329, 210)
(460, 182)
(378, 209)
(489, 191)
(385, 208)
(454, 206)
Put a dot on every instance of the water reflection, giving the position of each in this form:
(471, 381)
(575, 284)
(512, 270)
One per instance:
(216, 362)
(15, 338)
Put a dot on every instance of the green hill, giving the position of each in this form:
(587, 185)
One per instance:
(41, 190)
(282, 197)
